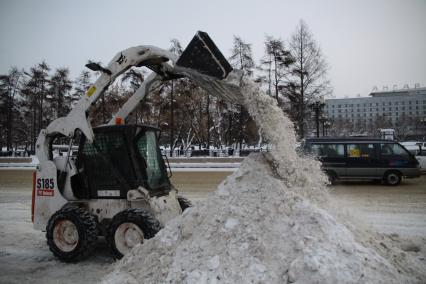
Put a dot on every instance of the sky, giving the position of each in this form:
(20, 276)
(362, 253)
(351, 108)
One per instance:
(367, 43)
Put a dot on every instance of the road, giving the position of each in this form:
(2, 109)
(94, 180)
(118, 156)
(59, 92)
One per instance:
(24, 255)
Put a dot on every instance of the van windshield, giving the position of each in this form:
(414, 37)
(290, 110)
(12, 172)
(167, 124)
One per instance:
(393, 150)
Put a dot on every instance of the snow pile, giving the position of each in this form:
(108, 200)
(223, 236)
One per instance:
(253, 229)
(262, 225)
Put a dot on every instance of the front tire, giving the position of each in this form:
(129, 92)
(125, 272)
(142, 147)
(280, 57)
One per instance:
(71, 234)
(130, 228)
(392, 178)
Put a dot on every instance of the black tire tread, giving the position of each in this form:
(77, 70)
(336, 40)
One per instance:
(87, 242)
(149, 225)
(385, 179)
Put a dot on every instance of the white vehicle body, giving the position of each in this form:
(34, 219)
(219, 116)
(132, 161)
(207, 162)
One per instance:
(418, 149)
(54, 188)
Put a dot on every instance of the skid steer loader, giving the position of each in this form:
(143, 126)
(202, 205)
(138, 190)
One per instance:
(117, 185)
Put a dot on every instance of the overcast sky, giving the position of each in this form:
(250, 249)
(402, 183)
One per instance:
(367, 43)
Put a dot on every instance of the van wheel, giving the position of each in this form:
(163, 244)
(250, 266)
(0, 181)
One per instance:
(72, 234)
(332, 178)
(392, 178)
(184, 203)
(130, 228)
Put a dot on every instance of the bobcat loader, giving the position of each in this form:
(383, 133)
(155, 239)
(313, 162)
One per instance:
(117, 185)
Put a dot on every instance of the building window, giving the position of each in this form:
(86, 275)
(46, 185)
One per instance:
(396, 103)
(409, 102)
(390, 108)
(403, 103)
(339, 105)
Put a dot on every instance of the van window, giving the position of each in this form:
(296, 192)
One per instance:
(360, 150)
(393, 150)
(328, 150)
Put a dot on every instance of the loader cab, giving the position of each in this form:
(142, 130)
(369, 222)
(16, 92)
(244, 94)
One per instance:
(121, 158)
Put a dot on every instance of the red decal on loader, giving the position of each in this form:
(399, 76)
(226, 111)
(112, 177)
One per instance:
(45, 192)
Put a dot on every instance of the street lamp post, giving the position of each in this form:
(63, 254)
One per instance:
(423, 121)
(327, 125)
(317, 107)
(324, 120)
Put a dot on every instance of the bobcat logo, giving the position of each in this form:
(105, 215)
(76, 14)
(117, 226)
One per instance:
(121, 59)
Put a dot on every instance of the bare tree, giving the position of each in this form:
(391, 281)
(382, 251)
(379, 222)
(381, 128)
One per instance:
(81, 85)
(35, 91)
(9, 105)
(309, 80)
(241, 58)
(60, 86)
(276, 64)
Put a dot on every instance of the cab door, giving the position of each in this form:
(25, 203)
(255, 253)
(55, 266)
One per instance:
(362, 160)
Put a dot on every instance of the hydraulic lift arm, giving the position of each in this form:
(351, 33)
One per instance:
(201, 61)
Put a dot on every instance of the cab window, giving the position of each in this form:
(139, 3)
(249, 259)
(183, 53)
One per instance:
(155, 171)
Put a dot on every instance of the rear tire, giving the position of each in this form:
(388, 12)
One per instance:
(184, 203)
(392, 178)
(71, 234)
(130, 228)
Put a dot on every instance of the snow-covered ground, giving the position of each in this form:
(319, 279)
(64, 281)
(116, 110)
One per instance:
(24, 256)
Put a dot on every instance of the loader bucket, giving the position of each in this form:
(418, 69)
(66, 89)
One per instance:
(205, 65)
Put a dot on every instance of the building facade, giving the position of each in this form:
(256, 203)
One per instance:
(404, 110)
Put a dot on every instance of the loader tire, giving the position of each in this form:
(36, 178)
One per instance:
(184, 203)
(71, 234)
(130, 228)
